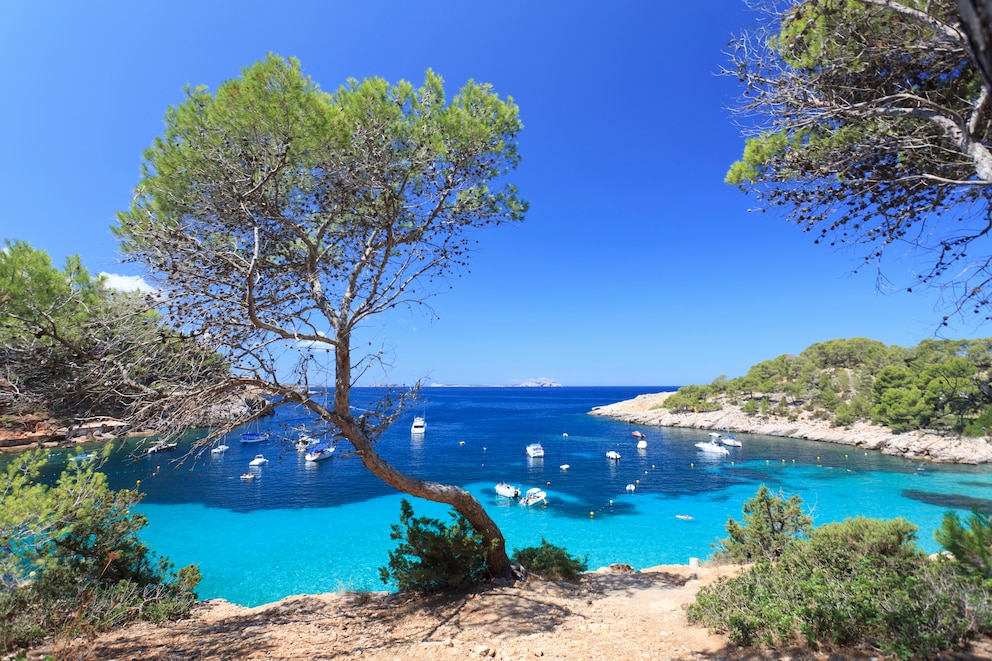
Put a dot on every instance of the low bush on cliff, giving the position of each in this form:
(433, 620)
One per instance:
(433, 556)
(72, 562)
(550, 561)
(862, 582)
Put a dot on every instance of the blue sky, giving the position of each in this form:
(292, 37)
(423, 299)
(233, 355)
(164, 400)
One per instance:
(636, 264)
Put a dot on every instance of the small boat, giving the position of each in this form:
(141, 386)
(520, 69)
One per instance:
(709, 446)
(535, 450)
(614, 455)
(684, 517)
(247, 476)
(419, 425)
(565, 467)
(637, 434)
(220, 449)
(258, 460)
(642, 445)
(630, 488)
(320, 452)
(534, 496)
(83, 457)
(732, 441)
(254, 437)
(305, 442)
(161, 447)
(510, 491)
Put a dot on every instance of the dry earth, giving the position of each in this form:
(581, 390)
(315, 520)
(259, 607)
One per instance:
(611, 615)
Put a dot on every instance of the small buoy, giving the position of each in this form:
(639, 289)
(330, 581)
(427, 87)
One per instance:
(731, 463)
(783, 461)
(611, 503)
(139, 483)
(461, 442)
(692, 465)
(549, 483)
(845, 456)
(592, 514)
(638, 481)
(793, 461)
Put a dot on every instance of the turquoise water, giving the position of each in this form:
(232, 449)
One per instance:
(305, 528)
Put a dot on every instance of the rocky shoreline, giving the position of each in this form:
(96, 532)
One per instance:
(917, 446)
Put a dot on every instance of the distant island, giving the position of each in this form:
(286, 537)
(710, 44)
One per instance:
(536, 383)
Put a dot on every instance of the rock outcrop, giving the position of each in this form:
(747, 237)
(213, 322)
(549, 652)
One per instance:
(918, 445)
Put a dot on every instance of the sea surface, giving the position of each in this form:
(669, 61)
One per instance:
(300, 527)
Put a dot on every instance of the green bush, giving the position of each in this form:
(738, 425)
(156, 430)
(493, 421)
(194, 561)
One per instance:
(770, 523)
(433, 557)
(549, 561)
(970, 546)
(860, 583)
(73, 563)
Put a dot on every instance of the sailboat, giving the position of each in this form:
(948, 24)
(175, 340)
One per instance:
(254, 436)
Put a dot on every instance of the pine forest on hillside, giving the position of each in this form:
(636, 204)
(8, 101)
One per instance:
(941, 385)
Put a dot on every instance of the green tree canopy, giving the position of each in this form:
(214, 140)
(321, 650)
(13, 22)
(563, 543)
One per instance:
(869, 125)
(277, 219)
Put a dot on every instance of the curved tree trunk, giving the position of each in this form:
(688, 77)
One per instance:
(497, 562)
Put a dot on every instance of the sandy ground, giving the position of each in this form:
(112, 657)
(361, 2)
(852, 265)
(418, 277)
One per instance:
(607, 615)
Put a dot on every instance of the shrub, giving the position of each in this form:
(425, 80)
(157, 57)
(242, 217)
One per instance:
(73, 562)
(970, 546)
(862, 582)
(550, 561)
(770, 523)
(432, 556)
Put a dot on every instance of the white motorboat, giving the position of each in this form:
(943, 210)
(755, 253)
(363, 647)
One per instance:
(534, 496)
(419, 425)
(320, 452)
(732, 441)
(220, 449)
(83, 457)
(161, 447)
(711, 447)
(642, 445)
(535, 450)
(614, 455)
(305, 442)
(259, 460)
(565, 467)
(508, 490)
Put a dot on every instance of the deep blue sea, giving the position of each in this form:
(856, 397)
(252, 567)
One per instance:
(301, 527)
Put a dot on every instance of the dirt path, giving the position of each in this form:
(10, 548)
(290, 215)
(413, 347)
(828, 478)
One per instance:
(607, 615)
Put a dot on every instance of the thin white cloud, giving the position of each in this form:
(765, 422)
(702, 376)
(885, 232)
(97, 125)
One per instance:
(126, 282)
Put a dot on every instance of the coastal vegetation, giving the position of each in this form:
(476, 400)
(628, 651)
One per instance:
(433, 556)
(73, 348)
(859, 583)
(942, 385)
(72, 561)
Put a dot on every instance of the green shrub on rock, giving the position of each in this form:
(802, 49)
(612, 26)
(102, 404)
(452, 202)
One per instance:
(770, 523)
(859, 583)
(72, 562)
(432, 556)
(549, 561)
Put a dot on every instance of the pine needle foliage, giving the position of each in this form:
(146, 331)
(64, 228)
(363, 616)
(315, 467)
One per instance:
(433, 556)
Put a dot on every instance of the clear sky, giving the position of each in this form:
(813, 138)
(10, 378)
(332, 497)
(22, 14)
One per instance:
(636, 264)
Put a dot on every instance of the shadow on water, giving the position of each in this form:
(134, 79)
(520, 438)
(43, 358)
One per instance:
(949, 500)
